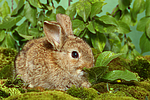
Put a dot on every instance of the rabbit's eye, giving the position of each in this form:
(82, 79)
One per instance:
(75, 54)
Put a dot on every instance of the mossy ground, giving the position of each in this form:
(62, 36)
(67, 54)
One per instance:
(118, 90)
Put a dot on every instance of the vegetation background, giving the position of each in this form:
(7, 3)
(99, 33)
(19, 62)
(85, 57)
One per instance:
(111, 4)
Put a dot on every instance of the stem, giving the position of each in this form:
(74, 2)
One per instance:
(69, 1)
(47, 2)
(52, 4)
(12, 5)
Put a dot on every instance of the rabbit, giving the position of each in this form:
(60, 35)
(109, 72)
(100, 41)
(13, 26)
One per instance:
(56, 60)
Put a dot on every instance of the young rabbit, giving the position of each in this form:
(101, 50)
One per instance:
(56, 60)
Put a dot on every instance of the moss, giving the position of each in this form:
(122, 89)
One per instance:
(46, 95)
(114, 96)
(83, 93)
(7, 57)
(118, 64)
(141, 66)
(100, 87)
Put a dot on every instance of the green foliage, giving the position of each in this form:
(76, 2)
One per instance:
(83, 93)
(106, 32)
(118, 74)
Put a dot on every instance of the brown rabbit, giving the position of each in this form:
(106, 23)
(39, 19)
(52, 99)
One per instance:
(56, 60)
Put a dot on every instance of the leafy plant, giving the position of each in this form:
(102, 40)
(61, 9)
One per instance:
(106, 32)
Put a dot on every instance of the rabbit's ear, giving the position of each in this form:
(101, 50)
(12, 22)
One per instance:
(65, 23)
(54, 34)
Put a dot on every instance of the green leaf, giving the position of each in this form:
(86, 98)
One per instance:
(98, 41)
(96, 8)
(107, 19)
(8, 42)
(99, 27)
(9, 22)
(118, 74)
(23, 28)
(23, 31)
(57, 1)
(78, 26)
(123, 27)
(2, 35)
(71, 11)
(126, 17)
(115, 42)
(91, 27)
(144, 43)
(105, 57)
(148, 29)
(35, 3)
(5, 9)
(30, 13)
(124, 50)
(138, 6)
(34, 32)
(19, 6)
(60, 10)
(123, 4)
(147, 8)
(83, 9)
(95, 73)
(141, 25)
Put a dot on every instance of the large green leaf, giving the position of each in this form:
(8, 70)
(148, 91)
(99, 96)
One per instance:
(98, 41)
(5, 9)
(83, 9)
(30, 13)
(71, 10)
(34, 32)
(138, 6)
(144, 43)
(60, 10)
(141, 26)
(107, 19)
(2, 35)
(148, 29)
(99, 27)
(78, 26)
(9, 22)
(8, 42)
(123, 27)
(23, 31)
(91, 27)
(96, 8)
(35, 3)
(147, 4)
(105, 57)
(119, 74)
(95, 73)
(124, 50)
(19, 6)
(123, 4)
(126, 17)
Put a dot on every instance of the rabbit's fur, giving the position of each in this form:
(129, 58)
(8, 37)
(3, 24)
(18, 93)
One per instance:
(56, 60)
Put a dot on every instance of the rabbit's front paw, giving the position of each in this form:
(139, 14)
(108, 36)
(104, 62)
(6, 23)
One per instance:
(86, 84)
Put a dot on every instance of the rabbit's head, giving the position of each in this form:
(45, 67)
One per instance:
(70, 52)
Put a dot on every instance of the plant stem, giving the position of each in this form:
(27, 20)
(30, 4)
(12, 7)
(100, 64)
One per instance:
(69, 1)
(52, 4)
(12, 5)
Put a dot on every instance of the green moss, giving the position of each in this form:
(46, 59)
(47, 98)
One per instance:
(114, 96)
(7, 57)
(137, 92)
(141, 66)
(46, 95)
(118, 64)
(83, 93)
